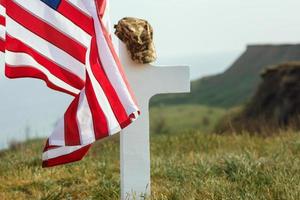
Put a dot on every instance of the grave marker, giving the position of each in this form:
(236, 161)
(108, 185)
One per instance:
(146, 81)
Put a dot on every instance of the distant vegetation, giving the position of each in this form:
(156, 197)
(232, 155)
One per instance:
(237, 84)
(184, 167)
(275, 105)
(184, 118)
(254, 103)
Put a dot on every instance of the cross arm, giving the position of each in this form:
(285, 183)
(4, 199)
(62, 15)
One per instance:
(169, 79)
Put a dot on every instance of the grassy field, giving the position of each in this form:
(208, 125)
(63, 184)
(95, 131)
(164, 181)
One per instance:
(184, 118)
(184, 166)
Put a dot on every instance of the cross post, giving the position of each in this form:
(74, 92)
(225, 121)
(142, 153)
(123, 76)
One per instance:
(146, 81)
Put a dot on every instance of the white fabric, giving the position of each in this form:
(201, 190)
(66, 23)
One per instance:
(23, 59)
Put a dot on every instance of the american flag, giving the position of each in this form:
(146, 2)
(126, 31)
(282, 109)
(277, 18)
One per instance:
(67, 44)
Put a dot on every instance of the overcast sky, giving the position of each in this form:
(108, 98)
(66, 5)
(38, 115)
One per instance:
(184, 27)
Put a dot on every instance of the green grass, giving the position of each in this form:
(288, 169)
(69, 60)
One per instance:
(184, 166)
(184, 118)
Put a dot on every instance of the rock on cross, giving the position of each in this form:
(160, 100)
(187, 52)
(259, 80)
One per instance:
(146, 81)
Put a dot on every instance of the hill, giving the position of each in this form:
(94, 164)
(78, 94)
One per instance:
(274, 106)
(238, 83)
(184, 166)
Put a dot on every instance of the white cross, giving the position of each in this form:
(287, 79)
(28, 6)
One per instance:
(146, 81)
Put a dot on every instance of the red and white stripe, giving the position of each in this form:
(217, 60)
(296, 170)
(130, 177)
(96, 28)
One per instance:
(2, 26)
(71, 50)
(46, 36)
